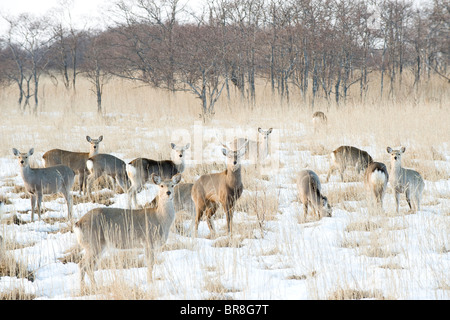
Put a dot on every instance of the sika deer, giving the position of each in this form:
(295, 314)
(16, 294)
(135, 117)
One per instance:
(345, 156)
(256, 151)
(376, 178)
(404, 180)
(126, 229)
(140, 170)
(309, 190)
(319, 119)
(104, 164)
(224, 188)
(40, 181)
(74, 160)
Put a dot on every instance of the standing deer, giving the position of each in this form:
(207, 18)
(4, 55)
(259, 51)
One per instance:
(126, 229)
(40, 181)
(74, 160)
(104, 164)
(309, 191)
(346, 156)
(319, 119)
(376, 178)
(404, 180)
(223, 188)
(140, 170)
(256, 151)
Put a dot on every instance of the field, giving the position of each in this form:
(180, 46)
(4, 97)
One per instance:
(276, 252)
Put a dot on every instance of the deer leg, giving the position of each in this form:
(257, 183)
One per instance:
(33, 206)
(68, 197)
(198, 215)
(408, 199)
(39, 202)
(229, 215)
(209, 213)
(88, 264)
(330, 171)
(397, 201)
(81, 181)
(150, 260)
(305, 208)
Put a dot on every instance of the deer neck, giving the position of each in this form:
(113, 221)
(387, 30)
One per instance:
(165, 212)
(233, 178)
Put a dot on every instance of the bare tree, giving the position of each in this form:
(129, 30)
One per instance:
(95, 66)
(28, 40)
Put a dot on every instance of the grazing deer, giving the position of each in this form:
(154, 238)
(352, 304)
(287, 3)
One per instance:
(126, 229)
(404, 180)
(319, 119)
(40, 181)
(104, 164)
(346, 156)
(223, 188)
(256, 151)
(309, 191)
(376, 178)
(74, 160)
(140, 170)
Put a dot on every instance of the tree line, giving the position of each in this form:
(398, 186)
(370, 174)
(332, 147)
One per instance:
(312, 48)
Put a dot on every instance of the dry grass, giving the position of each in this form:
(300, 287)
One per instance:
(132, 127)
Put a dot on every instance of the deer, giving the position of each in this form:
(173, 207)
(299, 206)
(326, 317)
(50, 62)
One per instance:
(223, 188)
(104, 164)
(140, 170)
(346, 156)
(40, 181)
(74, 160)
(102, 228)
(319, 119)
(376, 179)
(404, 180)
(309, 191)
(258, 150)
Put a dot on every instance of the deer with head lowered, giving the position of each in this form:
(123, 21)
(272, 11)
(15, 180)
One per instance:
(104, 164)
(127, 229)
(309, 192)
(140, 170)
(223, 188)
(404, 180)
(40, 181)
(74, 160)
(348, 156)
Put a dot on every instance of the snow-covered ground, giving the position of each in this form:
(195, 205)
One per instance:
(381, 256)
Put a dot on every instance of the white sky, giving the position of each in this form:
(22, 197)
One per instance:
(83, 11)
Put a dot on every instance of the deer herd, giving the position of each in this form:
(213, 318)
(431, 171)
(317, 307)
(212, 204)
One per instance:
(149, 226)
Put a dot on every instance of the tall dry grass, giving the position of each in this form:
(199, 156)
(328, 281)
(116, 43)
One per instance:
(141, 121)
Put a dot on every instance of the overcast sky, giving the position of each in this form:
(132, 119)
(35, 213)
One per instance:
(82, 11)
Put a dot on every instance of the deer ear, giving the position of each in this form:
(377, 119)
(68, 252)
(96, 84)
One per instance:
(403, 149)
(156, 179)
(88, 139)
(31, 151)
(187, 146)
(225, 151)
(15, 151)
(389, 150)
(100, 138)
(176, 178)
(172, 145)
(269, 131)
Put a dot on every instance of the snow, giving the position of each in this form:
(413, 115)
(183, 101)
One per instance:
(287, 258)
